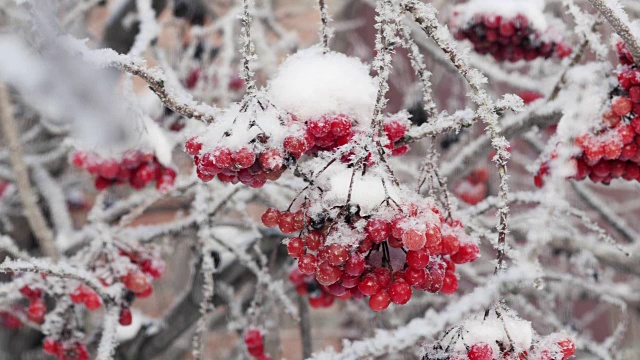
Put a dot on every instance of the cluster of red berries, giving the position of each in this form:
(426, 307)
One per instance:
(37, 308)
(332, 131)
(68, 350)
(147, 269)
(473, 188)
(613, 151)
(388, 255)
(246, 165)
(137, 168)
(510, 40)
(254, 341)
(483, 351)
(85, 295)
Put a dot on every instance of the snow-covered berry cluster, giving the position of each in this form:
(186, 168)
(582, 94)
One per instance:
(254, 340)
(248, 143)
(66, 350)
(612, 150)
(508, 30)
(473, 188)
(333, 95)
(375, 245)
(499, 335)
(136, 168)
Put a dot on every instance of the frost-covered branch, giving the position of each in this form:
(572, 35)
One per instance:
(613, 11)
(32, 212)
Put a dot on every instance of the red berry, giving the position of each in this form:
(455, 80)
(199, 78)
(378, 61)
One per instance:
(102, 183)
(450, 244)
(109, 169)
(450, 283)
(418, 259)
(192, 146)
(378, 230)
(77, 296)
(271, 160)
(415, 277)
(400, 292)
(92, 300)
(368, 285)
(223, 158)
(567, 347)
(243, 158)
(468, 252)
(379, 301)
(621, 106)
(319, 127)
(252, 337)
(413, 239)
(395, 130)
(313, 240)
(125, 316)
(308, 264)
(337, 254)
(294, 145)
(433, 236)
(327, 274)
(612, 149)
(626, 133)
(355, 264)
(136, 282)
(295, 247)
(50, 346)
(480, 351)
(340, 125)
(383, 277)
(79, 158)
(349, 281)
(36, 311)
(286, 223)
(271, 217)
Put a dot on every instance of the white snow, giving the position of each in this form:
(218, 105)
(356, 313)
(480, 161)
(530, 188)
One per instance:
(310, 84)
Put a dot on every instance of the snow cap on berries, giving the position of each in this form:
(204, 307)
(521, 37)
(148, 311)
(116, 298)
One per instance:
(310, 84)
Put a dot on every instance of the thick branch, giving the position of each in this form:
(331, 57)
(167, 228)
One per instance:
(620, 24)
(34, 216)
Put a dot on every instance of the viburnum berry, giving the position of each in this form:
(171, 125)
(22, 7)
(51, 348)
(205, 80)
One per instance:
(286, 223)
(136, 282)
(271, 217)
(467, 252)
(355, 265)
(480, 351)
(125, 318)
(295, 247)
(327, 274)
(378, 230)
(50, 346)
(379, 301)
(450, 283)
(36, 311)
(368, 284)
(418, 259)
(567, 347)
(414, 239)
(308, 264)
(415, 277)
(399, 292)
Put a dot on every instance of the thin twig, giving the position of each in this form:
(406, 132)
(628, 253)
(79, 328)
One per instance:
(305, 327)
(34, 216)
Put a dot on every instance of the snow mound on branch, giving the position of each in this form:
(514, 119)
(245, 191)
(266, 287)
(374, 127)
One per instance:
(310, 84)
(493, 330)
(508, 9)
(237, 126)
